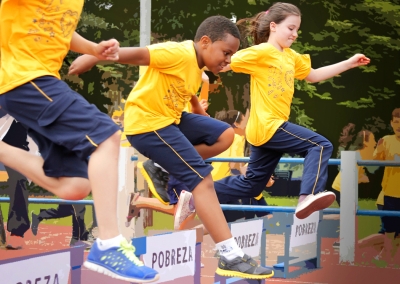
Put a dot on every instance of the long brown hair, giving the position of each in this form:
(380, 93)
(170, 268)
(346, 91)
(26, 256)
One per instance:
(256, 30)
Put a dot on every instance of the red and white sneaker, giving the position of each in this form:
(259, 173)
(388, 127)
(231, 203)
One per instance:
(314, 203)
(185, 210)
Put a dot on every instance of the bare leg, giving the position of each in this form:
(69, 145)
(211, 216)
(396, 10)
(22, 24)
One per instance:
(224, 142)
(389, 249)
(209, 210)
(31, 166)
(155, 204)
(103, 176)
(372, 241)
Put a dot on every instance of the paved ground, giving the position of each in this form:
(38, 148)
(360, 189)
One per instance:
(366, 271)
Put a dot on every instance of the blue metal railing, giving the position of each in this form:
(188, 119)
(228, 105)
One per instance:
(224, 207)
(247, 207)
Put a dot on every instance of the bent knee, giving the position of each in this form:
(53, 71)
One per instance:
(327, 146)
(74, 193)
(226, 138)
(115, 138)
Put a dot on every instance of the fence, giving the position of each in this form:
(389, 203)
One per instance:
(349, 195)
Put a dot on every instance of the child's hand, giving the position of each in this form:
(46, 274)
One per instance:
(358, 60)
(82, 64)
(270, 182)
(107, 50)
(204, 104)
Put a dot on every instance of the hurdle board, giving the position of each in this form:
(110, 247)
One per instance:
(176, 255)
(302, 243)
(61, 266)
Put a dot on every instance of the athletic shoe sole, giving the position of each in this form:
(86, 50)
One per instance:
(105, 271)
(187, 220)
(230, 273)
(319, 203)
(179, 210)
(150, 183)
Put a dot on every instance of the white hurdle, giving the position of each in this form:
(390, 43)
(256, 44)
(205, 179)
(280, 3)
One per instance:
(348, 205)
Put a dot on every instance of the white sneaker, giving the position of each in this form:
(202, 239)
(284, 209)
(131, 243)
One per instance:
(314, 203)
(185, 210)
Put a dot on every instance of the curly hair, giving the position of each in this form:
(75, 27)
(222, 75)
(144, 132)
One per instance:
(216, 28)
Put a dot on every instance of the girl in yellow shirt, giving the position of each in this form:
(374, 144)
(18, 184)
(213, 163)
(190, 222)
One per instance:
(273, 66)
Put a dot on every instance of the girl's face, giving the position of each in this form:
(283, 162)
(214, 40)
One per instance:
(395, 123)
(285, 33)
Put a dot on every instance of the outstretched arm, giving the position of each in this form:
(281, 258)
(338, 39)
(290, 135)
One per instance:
(127, 55)
(105, 50)
(323, 73)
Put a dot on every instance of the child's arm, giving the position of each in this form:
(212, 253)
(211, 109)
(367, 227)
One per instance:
(196, 107)
(205, 87)
(323, 73)
(127, 55)
(379, 153)
(105, 50)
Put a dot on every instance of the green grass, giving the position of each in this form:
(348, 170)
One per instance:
(367, 225)
(61, 222)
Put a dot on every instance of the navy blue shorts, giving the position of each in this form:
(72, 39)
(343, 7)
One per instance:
(66, 128)
(172, 147)
(174, 189)
(391, 224)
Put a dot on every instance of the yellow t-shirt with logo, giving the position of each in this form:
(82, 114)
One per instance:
(272, 75)
(391, 177)
(222, 169)
(35, 36)
(163, 91)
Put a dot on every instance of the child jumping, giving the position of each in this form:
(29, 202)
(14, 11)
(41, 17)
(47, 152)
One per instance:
(35, 38)
(272, 67)
(178, 141)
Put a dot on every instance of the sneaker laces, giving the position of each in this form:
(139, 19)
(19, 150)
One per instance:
(128, 250)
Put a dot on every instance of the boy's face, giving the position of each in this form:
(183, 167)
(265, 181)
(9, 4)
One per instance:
(395, 123)
(216, 55)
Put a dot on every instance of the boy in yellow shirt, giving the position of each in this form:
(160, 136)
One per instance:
(388, 147)
(179, 142)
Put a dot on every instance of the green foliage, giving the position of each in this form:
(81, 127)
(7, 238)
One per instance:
(331, 31)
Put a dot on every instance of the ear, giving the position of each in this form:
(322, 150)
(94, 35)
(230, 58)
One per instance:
(205, 41)
(272, 26)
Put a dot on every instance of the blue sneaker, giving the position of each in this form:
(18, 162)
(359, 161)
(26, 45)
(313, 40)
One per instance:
(120, 263)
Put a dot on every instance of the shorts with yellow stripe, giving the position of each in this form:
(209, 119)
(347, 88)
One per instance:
(66, 128)
(172, 147)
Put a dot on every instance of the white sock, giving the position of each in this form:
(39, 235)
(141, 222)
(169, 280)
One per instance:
(109, 243)
(229, 249)
(157, 165)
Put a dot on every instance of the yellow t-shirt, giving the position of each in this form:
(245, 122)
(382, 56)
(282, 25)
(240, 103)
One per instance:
(336, 182)
(391, 177)
(272, 76)
(162, 92)
(35, 37)
(222, 169)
